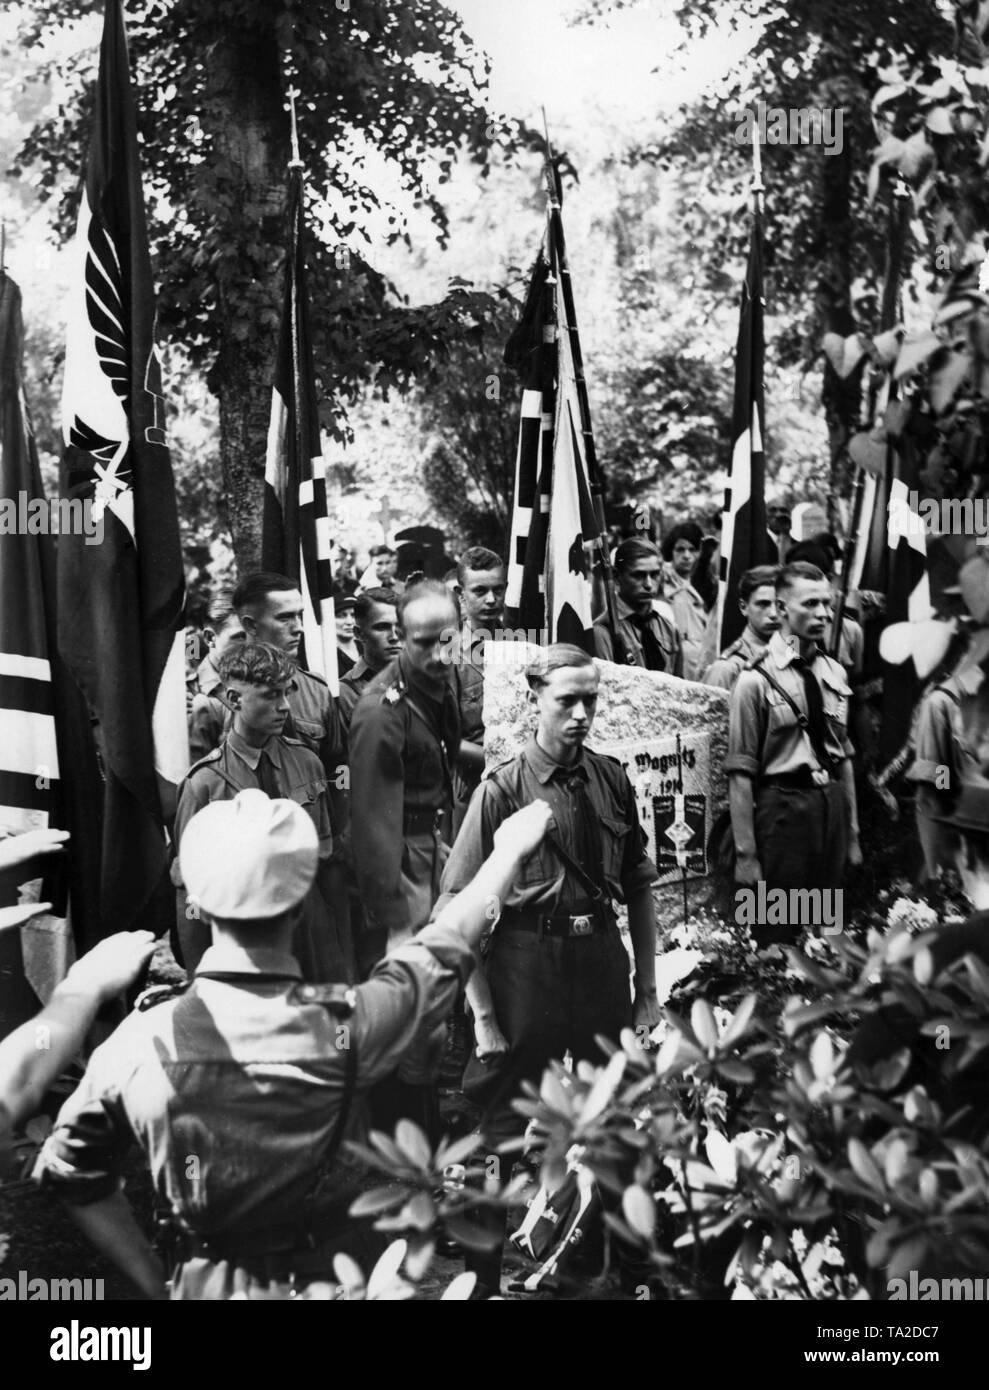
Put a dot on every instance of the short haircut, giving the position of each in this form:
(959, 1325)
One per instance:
(221, 609)
(632, 549)
(799, 569)
(425, 588)
(255, 588)
(554, 658)
(757, 578)
(377, 550)
(366, 601)
(477, 558)
(683, 531)
(255, 663)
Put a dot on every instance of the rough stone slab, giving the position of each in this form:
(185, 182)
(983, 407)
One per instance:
(633, 704)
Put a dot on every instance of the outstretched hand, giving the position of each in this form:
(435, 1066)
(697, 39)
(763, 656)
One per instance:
(523, 831)
(18, 849)
(113, 963)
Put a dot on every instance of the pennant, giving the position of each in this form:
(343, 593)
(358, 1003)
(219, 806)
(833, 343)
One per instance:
(296, 529)
(745, 540)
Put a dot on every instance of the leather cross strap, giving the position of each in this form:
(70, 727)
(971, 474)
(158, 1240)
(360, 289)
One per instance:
(820, 752)
(592, 889)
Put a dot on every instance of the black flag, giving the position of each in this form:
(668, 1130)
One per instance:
(121, 601)
(744, 535)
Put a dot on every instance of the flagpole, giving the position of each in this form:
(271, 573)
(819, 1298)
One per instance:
(896, 223)
(558, 246)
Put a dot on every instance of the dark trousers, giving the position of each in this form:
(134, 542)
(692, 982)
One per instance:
(801, 839)
(551, 995)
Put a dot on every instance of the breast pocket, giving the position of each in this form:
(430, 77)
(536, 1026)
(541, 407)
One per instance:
(614, 843)
(779, 711)
(306, 793)
(309, 731)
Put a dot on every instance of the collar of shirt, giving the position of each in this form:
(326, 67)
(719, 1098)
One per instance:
(786, 650)
(229, 958)
(545, 768)
(423, 685)
(207, 677)
(676, 584)
(360, 671)
(250, 755)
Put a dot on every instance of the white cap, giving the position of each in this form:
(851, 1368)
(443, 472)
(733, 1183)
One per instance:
(254, 856)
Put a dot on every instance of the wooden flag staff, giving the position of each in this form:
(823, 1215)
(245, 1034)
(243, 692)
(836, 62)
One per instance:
(558, 246)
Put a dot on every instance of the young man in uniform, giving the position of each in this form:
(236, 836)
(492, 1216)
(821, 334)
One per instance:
(256, 681)
(757, 600)
(481, 583)
(377, 632)
(242, 1087)
(647, 628)
(208, 714)
(790, 780)
(270, 610)
(557, 973)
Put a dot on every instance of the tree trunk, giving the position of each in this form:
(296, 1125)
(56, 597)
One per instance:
(244, 117)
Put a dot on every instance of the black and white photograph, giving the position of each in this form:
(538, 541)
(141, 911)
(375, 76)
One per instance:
(494, 666)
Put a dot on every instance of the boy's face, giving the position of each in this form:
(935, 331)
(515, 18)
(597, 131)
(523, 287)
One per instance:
(262, 709)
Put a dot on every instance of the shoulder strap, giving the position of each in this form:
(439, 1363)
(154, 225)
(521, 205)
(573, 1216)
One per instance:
(593, 890)
(802, 719)
(820, 752)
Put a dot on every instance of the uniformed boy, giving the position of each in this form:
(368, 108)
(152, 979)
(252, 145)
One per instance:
(243, 1089)
(647, 632)
(557, 974)
(757, 601)
(257, 683)
(790, 780)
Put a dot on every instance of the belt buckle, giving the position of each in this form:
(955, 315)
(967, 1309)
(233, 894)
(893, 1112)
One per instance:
(819, 776)
(581, 926)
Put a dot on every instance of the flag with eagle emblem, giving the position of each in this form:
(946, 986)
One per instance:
(121, 602)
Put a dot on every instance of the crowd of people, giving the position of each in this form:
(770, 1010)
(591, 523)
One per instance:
(348, 883)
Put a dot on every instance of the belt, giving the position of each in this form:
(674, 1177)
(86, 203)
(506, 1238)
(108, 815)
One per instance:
(273, 1252)
(805, 779)
(573, 924)
(424, 821)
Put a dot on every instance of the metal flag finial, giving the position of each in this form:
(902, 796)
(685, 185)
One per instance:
(758, 186)
(296, 161)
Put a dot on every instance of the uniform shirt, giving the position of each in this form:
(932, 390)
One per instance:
(543, 883)
(400, 765)
(951, 742)
(764, 738)
(725, 671)
(851, 646)
(691, 621)
(209, 713)
(663, 626)
(315, 719)
(232, 768)
(232, 1089)
(352, 687)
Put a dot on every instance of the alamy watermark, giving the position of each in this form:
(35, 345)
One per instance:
(50, 516)
(460, 649)
(779, 125)
(790, 907)
(916, 516)
(24, 1289)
